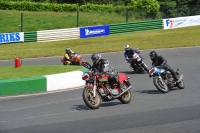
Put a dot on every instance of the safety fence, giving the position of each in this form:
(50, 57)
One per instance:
(136, 26)
(56, 35)
(97, 31)
(30, 36)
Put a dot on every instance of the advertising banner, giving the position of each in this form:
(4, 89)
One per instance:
(11, 37)
(181, 22)
(94, 31)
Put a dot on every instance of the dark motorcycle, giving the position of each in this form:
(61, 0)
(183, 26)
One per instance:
(138, 64)
(97, 89)
(164, 80)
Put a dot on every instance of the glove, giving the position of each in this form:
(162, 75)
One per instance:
(161, 66)
(150, 76)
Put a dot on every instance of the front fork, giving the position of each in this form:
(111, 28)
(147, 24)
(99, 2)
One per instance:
(160, 79)
(127, 82)
(94, 89)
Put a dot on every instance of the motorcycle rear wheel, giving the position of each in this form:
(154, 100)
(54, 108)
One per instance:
(126, 97)
(160, 86)
(90, 101)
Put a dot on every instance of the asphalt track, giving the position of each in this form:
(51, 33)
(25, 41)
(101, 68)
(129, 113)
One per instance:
(149, 111)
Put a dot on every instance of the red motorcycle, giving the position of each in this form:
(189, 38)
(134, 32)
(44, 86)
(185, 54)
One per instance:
(97, 89)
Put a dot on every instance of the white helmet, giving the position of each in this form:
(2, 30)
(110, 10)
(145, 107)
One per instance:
(67, 48)
(126, 46)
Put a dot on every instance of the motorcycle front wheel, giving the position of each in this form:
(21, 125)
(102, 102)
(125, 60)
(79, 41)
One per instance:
(145, 67)
(181, 84)
(161, 86)
(91, 101)
(126, 97)
(86, 65)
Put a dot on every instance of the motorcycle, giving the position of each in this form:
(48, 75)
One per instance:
(164, 80)
(97, 89)
(138, 64)
(76, 60)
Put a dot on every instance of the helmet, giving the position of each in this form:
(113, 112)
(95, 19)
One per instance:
(126, 47)
(96, 57)
(67, 49)
(153, 54)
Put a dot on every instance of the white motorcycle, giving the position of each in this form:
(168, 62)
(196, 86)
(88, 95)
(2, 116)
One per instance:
(138, 64)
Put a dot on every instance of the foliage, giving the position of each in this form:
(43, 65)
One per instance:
(168, 9)
(179, 8)
(35, 6)
(148, 7)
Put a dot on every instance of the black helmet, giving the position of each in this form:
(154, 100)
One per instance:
(96, 57)
(153, 54)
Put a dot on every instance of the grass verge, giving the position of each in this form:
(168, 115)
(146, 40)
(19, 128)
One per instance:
(8, 72)
(36, 21)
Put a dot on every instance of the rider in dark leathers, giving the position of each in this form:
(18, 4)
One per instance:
(161, 62)
(101, 66)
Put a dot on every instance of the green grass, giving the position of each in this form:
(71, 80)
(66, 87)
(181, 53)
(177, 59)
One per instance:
(8, 72)
(180, 37)
(35, 21)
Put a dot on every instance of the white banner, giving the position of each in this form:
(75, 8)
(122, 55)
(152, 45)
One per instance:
(11, 37)
(181, 22)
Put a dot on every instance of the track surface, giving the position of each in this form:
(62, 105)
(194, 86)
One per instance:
(149, 111)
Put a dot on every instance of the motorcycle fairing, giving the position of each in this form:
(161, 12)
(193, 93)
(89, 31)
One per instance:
(122, 77)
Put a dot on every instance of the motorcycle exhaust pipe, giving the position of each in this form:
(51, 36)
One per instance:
(123, 92)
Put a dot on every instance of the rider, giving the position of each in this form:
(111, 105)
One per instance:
(68, 55)
(159, 61)
(128, 53)
(102, 66)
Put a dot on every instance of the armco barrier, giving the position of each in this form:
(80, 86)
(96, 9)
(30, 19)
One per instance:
(42, 83)
(59, 34)
(30, 36)
(136, 26)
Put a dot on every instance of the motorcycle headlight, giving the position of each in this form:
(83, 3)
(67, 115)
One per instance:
(85, 76)
(139, 59)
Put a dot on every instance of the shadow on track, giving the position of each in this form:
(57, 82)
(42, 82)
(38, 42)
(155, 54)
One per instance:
(103, 104)
(156, 91)
(131, 72)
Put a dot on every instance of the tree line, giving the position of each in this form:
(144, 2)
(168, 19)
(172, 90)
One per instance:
(157, 8)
